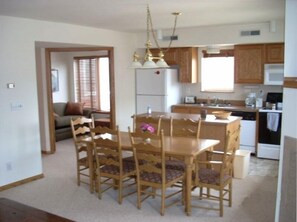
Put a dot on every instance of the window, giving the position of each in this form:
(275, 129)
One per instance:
(91, 77)
(217, 72)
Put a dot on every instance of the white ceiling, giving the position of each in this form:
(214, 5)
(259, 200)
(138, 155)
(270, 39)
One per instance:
(130, 15)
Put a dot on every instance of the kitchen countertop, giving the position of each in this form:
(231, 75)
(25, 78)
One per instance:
(225, 107)
(210, 119)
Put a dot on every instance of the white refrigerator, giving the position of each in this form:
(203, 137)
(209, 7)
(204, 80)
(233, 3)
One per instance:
(157, 88)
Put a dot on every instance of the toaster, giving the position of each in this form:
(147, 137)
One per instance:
(190, 99)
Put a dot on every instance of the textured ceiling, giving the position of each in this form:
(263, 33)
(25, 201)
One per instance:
(130, 15)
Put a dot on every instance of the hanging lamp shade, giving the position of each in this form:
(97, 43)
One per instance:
(148, 58)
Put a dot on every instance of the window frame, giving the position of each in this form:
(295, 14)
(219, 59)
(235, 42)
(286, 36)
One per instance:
(223, 53)
(93, 83)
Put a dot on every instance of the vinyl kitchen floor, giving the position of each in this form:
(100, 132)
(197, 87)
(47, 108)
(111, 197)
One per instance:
(263, 167)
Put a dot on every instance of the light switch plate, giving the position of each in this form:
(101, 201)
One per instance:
(16, 106)
(10, 85)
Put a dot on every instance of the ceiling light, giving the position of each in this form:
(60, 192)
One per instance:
(149, 57)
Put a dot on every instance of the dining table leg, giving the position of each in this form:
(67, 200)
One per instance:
(188, 187)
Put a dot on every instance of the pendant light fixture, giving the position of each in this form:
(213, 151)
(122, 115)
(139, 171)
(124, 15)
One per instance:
(149, 57)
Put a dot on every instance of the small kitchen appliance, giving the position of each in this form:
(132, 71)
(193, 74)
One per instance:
(250, 101)
(190, 99)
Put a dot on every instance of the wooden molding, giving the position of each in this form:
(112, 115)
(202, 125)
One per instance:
(20, 182)
(46, 152)
(290, 82)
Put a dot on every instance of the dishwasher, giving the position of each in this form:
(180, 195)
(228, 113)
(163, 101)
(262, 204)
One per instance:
(247, 130)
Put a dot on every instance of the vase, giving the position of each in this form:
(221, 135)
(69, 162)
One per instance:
(147, 140)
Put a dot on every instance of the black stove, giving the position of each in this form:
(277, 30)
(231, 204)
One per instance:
(272, 98)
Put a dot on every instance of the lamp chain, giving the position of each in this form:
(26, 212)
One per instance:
(150, 22)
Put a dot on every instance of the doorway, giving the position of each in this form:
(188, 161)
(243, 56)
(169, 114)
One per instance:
(48, 63)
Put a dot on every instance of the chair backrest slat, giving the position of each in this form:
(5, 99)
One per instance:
(185, 127)
(107, 146)
(149, 156)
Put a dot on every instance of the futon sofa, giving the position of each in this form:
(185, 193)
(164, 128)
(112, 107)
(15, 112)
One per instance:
(63, 113)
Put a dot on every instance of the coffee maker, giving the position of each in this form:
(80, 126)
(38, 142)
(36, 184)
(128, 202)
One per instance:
(250, 100)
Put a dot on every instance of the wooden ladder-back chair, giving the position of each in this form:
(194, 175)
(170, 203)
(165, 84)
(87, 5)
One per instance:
(182, 128)
(150, 167)
(81, 133)
(111, 170)
(185, 127)
(140, 122)
(217, 174)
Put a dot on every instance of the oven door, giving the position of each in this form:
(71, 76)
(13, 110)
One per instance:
(267, 136)
(268, 140)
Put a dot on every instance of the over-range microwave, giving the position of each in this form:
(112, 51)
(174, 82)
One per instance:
(273, 74)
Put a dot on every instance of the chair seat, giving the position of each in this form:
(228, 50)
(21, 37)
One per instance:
(114, 170)
(175, 165)
(130, 159)
(210, 176)
(156, 178)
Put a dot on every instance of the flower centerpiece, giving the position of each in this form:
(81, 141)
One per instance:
(145, 127)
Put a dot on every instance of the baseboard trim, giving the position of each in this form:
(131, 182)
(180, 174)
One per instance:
(46, 152)
(20, 182)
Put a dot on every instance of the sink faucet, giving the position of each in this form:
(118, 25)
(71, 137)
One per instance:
(215, 100)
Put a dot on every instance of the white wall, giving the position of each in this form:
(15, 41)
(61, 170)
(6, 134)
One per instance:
(220, 35)
(63, 61)
(20, 130)
(289, 120)
(59, 61)
(224, 36)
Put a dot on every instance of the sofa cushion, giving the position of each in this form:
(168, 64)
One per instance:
(74, 108)
(64, 121)
(59, 108)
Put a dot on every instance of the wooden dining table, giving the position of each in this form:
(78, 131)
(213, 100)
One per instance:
(185, 147)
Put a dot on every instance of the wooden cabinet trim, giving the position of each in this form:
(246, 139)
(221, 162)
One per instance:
(290, 82)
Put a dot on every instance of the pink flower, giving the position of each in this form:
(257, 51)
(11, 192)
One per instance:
(147, 127)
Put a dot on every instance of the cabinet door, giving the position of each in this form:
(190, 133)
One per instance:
(170, 56)
(180, 109)
(274, 53)
(249, 63)
(188, 65)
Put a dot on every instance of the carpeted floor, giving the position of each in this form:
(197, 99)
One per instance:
(253, 197)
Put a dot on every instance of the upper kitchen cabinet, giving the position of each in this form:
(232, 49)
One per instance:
(171, 56)
(249, 63)
(188, 65)
(187, 60)
(274, 53)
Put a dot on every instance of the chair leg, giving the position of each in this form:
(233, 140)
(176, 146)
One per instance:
(138, 195)
(221, 202)
(162, 202)
(99, 188)
(201, 192)
(120, 187)
(230, 194)
(78, 176)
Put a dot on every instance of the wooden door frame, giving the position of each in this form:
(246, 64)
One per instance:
(51, 119)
